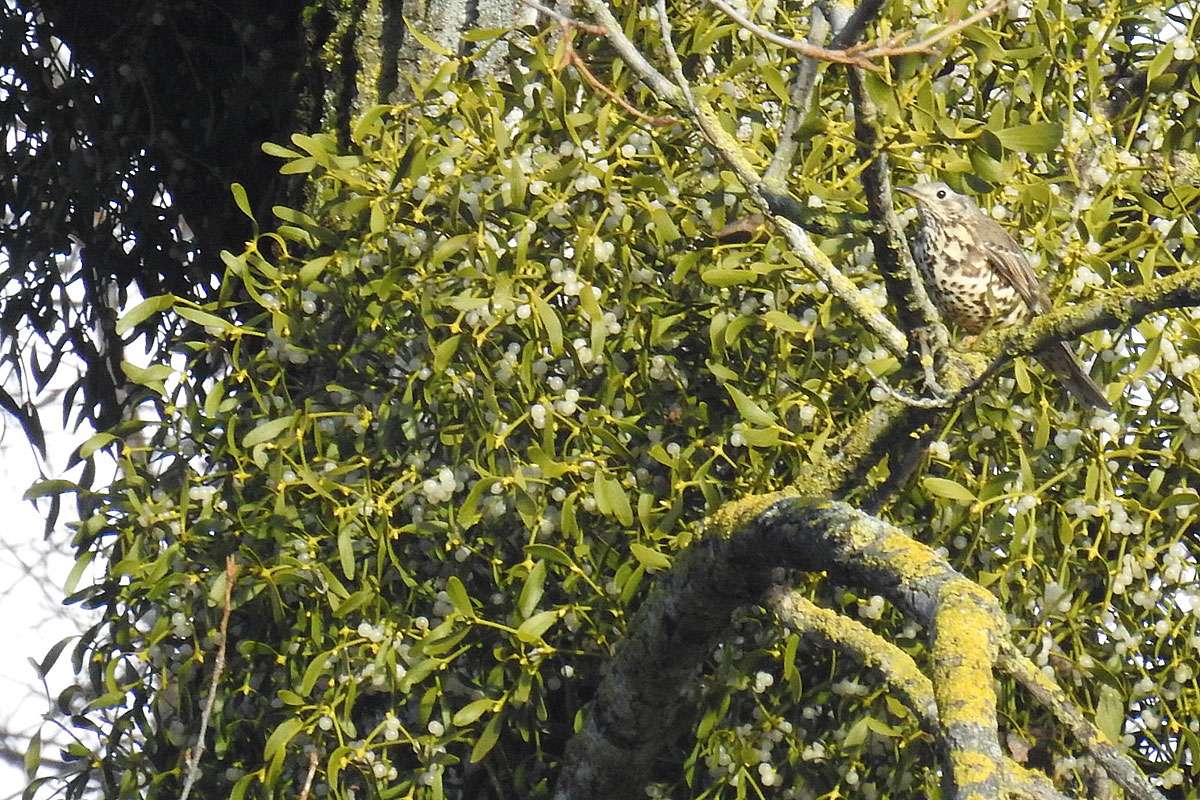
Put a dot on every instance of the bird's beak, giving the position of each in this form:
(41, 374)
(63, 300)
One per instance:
(908, 190)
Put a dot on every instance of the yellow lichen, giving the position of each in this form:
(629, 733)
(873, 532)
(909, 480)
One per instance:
(733, 515)
(971, 768)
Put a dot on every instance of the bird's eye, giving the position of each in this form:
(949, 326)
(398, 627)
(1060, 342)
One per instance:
(941, 194)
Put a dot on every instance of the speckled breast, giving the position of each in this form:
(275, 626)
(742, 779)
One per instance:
(969, 293)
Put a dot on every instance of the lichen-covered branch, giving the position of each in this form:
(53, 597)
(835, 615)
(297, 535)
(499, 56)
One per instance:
(641, 696)
(1119, 766)
(899, 673)
(832, 630)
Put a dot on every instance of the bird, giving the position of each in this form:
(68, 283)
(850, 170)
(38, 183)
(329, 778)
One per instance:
(980, 278)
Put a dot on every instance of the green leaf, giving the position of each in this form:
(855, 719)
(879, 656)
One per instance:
(77, 570)
(33, 755)
(942, 487)
(337, 760)
(1039, 137)
(472, 711)
(243, 202)
(469, 514)
(152, 377)
(651, 559)
(460, 599)
(531, 630)
(1161, 61)
(316, 668)
(345, 546)
(425, 41)
(206, 319)
(95, 443)
(549, 322)
(279, 737)
(531, 592)
(751, 411)
(611, 499)
(445, 351)
(50, 487)
(47, 663)
(267, 431)
(243, 785)
(487, 740)
(857, 733)
(143, 311)
(728, 277)
(783, 321)
(774, 81)
(548, 552)
(279, 151)
(1110, 713)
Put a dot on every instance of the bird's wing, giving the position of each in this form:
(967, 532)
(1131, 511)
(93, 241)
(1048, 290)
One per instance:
(1008, 260)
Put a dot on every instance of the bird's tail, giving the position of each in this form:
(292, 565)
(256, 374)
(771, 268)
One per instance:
(1059, 359)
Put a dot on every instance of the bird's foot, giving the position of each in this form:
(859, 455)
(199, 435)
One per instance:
(939, 399)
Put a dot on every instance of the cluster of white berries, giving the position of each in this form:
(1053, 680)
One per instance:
(442, 486)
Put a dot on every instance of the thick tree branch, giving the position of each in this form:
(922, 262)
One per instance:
(641, 695)
(903, 678)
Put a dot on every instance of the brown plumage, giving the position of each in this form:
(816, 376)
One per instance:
(980, 277)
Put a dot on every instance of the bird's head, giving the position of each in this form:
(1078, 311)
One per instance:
(938, 200)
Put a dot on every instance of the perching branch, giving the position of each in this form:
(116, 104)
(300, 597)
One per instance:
(893, 429)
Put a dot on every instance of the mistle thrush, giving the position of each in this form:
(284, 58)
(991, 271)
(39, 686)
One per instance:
(980, 277)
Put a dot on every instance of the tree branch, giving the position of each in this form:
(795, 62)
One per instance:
(729, 149)
(800, 99)
(892, 429)
(1119, 766)
(640, 696)
(900, 674)
(864, 55)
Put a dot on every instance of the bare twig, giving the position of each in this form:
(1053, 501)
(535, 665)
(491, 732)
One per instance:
(893, 48)
(863, 56)
(587, 27)
(800, 99)
(312, 772)
(576, 61)
(193, 769)
(804, 48)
